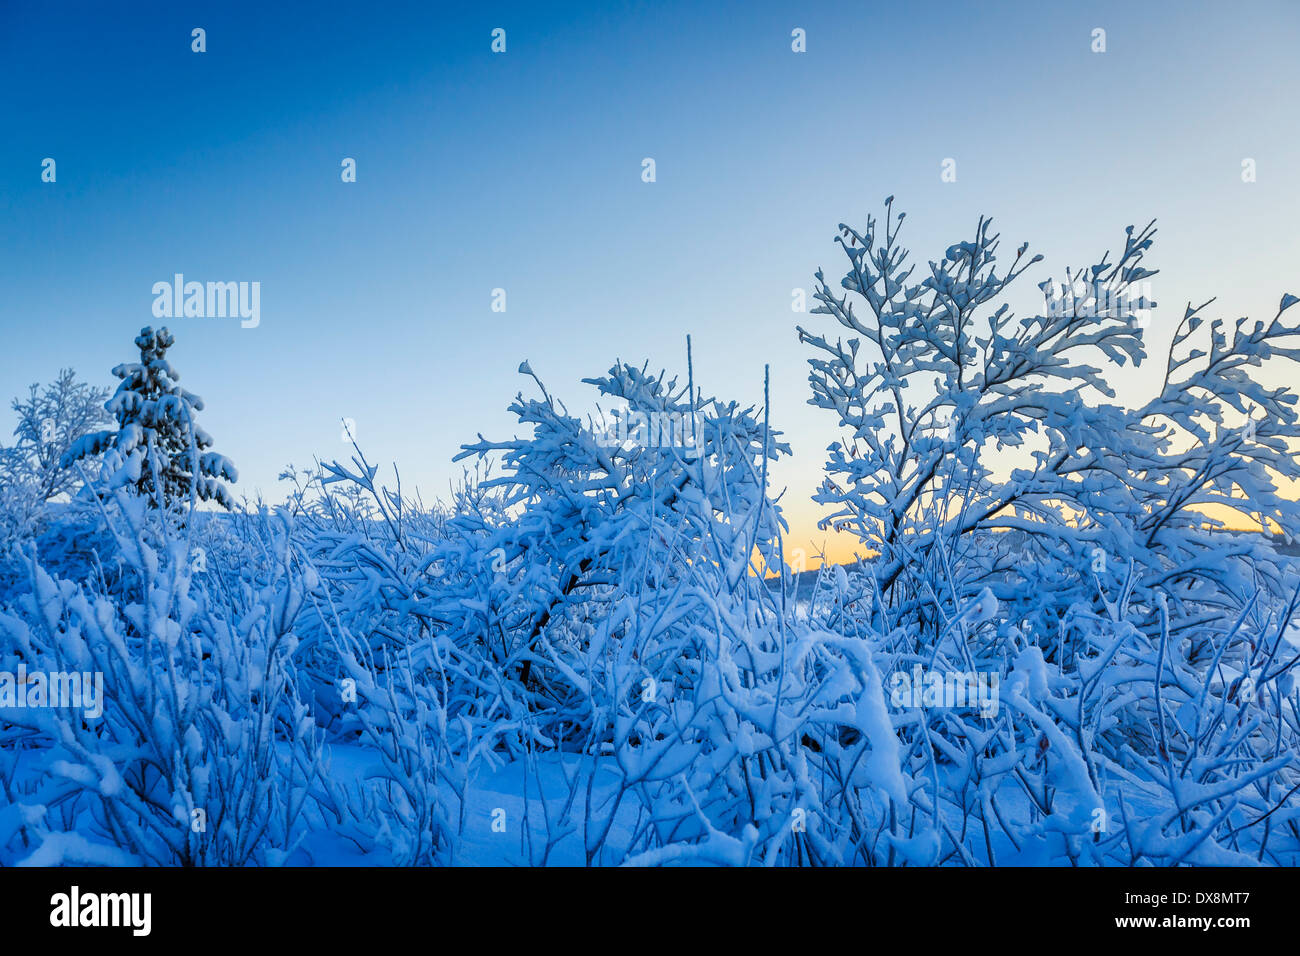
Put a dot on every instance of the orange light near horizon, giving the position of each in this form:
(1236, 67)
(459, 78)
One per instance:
(808, 547)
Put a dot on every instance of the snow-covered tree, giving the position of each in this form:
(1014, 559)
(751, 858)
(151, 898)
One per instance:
(160, 447)
(939, 380)
(32, 470)
(1026, 526)
(50, 421)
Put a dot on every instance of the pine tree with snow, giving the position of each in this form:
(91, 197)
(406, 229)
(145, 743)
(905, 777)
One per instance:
(157, 440)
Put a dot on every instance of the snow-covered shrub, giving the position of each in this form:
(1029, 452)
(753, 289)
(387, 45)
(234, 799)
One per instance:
(20, 507)
(598, 521)
(621, 600)
(598, 602)
(379, 676)
(1025, 527)
(202, 753)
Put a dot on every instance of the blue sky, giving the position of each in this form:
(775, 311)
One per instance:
(522, 171)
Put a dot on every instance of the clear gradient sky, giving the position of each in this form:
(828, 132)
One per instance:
(522, 171)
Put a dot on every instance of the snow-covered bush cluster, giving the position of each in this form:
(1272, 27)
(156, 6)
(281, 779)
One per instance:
(595, 653)
(1148, 702)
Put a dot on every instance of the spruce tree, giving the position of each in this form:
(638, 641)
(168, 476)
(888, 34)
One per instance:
(157, 436)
